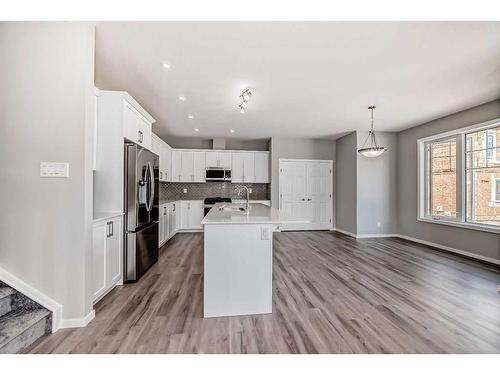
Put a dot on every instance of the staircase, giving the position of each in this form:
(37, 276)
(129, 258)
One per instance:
(22, 321)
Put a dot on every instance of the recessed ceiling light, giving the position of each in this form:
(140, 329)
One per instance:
(166, 65)
(190, 117)
(242, 110)
(182, 98)
(232, 130)
(196, 129)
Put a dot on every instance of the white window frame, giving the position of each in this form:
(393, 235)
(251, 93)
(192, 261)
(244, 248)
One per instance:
(494, 200)
(422, 204)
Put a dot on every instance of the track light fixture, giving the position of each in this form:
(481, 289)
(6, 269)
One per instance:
(245, 97)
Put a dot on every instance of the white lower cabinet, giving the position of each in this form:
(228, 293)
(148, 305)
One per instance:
(106, 256)
(191, 214)
(168, 221)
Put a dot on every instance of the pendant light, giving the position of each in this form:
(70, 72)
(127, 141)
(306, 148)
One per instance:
(374, 150)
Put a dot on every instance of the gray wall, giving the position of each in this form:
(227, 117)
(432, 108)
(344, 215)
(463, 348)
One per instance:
(296, 148)
(46, 114)
(477, 242)
(377, 187)
(345, 183)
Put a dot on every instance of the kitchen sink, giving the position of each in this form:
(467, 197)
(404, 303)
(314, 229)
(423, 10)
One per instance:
(232, 208)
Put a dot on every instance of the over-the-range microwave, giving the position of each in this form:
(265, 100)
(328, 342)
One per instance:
(217, 174)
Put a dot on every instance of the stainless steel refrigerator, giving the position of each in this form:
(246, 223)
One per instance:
(141, 211)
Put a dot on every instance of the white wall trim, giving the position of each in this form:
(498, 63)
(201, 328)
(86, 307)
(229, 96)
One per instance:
(450, 249)
(35, 295)
(423, 242)
(78, 322)
(376, 235)
(344, 232)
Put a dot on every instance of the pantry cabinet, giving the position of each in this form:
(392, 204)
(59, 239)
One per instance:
(106, 256)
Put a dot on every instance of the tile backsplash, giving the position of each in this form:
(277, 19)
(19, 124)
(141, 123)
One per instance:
(175, 190)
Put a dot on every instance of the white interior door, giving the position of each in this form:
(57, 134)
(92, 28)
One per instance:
(306, 192)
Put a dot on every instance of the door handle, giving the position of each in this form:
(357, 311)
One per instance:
(303, 199)
(161, 175)
(309, 199)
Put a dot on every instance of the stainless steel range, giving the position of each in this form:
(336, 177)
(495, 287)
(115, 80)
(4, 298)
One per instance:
(209, 203)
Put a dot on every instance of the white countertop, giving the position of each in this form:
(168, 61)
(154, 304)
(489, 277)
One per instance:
(98, 216)
(258, 214)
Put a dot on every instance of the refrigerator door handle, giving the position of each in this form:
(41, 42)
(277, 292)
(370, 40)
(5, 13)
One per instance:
(150, 185)
(152, 182)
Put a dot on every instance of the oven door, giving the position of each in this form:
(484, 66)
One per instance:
(214, 174)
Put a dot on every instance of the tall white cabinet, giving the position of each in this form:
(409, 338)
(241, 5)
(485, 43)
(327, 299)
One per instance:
(305, 191)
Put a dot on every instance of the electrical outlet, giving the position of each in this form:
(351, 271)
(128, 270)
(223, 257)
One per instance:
(185, 190)
(250, 191)
(264, 234)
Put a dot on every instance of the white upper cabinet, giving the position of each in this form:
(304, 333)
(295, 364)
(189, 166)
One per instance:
(218, 159)
(243, 167)
(199, 166)
(176, 166)
(136, 127)
(261, 167)
(187, 160)
(163, 150)
(188, 166)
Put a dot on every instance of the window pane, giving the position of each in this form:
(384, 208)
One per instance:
(443, 179)
(483, 177)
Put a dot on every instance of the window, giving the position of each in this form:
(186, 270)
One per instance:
(490, 144)
(442, 178)
(496, 190)
(459, 177)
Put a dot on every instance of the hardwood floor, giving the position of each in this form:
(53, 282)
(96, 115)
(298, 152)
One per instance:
(332, 294)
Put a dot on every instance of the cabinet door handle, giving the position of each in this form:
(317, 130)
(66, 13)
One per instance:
(173, 207)
(140, 136)
(161, 175)
(309, 199)
(112, 229)
(108, 230)
(303, 199)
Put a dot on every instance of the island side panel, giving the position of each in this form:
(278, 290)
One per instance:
(238, 267)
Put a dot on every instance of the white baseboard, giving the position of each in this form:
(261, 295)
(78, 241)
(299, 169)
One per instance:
(450, 249)
(34, 294)
(423, 242)
(344, 232)
(78, 322)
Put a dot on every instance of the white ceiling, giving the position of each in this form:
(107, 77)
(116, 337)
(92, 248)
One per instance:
(311, 79)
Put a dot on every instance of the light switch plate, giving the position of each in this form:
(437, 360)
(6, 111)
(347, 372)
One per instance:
(54, 169)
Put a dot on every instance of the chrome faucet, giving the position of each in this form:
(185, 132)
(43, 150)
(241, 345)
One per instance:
(247, 205)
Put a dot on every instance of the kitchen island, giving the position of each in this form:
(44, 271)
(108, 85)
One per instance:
(238, 258)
